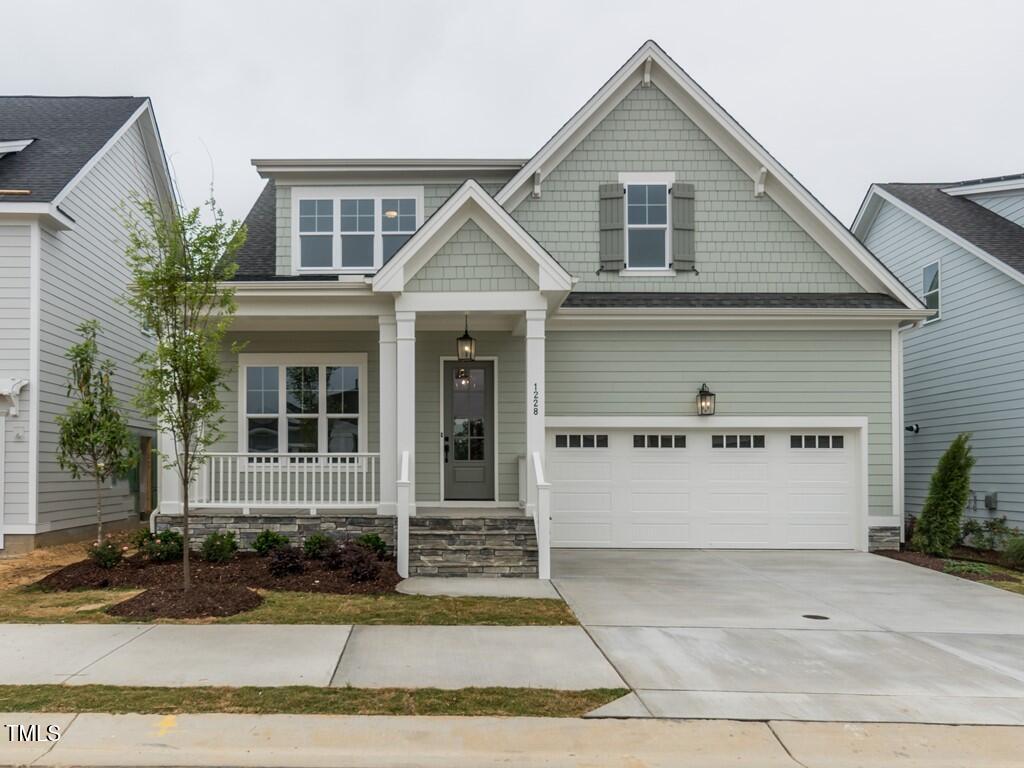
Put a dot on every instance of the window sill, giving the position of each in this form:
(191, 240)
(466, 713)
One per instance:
(647, 272)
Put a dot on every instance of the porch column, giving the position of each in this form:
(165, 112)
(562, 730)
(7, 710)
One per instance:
(388, 402)
(534, 399)
(405, 394)
(169, 487)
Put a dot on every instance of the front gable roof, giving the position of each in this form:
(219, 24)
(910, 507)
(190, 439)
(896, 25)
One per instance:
(650, 65)
(471, 202)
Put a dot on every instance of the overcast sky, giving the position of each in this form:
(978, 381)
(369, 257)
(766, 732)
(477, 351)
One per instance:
(842, 94)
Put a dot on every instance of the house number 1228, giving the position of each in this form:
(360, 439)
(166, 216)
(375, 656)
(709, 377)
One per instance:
(536, 400)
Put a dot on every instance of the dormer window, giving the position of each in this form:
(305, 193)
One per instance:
(352, 229)
(647, 245)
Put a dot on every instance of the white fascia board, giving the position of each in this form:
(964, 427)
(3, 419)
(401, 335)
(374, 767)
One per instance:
(971, 248)
(384, 165)
(739, 145)
(471, 301)
(986, 188)
(46, 213)
(13, 145)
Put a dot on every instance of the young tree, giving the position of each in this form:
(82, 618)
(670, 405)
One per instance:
(938, 527)
(94, 438)
(179, 265)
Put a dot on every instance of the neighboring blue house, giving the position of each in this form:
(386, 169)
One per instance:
(960, 246)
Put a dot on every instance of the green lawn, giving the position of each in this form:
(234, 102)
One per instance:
(32, 605)
(511, 702)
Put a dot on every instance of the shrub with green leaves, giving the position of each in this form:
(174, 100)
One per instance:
(219, 547)
(937, 528)
(139, 537)
(374, 543)
(317, 545)
(268, 540)
(966, 567)
(163, 546)
(284, 561)
(1013, 555)
(106, 553)
(357, 562)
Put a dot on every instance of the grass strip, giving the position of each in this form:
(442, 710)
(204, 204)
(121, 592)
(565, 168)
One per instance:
(305, 700)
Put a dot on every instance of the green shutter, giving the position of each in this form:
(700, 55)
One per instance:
(683, 246)
(613, 237)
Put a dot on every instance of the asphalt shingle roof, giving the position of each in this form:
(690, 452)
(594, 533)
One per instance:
(608, 300)
(67, 132)
(975, 223)
(257, 258)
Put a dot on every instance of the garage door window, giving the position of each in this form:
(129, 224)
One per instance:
(737, 441)
(581, 441)
(815, 441)
(659, 441)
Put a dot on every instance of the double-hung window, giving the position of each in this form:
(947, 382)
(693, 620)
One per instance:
(931, 289)
(355, 229)
(647, 230)
(303, 404)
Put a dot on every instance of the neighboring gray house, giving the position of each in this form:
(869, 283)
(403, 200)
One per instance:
(960, 247)
(649, 247)
(66, 164)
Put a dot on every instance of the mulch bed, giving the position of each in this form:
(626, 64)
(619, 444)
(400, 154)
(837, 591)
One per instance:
(201, 601)
(245, 570)
(939, 563)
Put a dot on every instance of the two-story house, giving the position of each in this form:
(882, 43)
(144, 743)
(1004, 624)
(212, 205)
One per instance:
(66, 166)
(960, 247)
(648, 334)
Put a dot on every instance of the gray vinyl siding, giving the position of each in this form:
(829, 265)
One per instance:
(1008, 205)
(510, 402)
(962, 373)
(83, 273)
(470, 261)
(15, 352)
(743, 243)
(753, 373)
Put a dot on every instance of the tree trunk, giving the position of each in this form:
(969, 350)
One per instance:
(186, 573)
(99, 509)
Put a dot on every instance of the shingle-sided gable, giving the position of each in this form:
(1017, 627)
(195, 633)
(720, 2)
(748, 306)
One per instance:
(470, 261)
(743, 242)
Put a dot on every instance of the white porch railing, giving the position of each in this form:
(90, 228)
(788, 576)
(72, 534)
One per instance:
(287, 480)
(542, 519)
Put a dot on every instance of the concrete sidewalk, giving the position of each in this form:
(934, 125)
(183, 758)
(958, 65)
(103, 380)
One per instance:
(319, 655)
(292, 741)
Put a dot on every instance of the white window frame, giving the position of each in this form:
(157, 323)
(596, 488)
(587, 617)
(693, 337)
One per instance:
(282, 361)
(666, 179)
(336, 194)
(938, 291)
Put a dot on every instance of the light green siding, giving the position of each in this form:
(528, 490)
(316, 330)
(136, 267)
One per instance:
(743, 243)
(510, 403)
(754, 373)
(470, 261)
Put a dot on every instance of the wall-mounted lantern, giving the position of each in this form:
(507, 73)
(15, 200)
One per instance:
(466, 346)
(705, 401)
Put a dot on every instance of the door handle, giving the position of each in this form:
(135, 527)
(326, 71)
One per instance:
(446, 448)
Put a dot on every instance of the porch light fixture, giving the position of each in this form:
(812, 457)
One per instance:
(705, 401)
(466, 346)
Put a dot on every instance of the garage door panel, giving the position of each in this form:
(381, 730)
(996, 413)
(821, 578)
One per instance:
(660, 535)
(739, 533)
(581, 534)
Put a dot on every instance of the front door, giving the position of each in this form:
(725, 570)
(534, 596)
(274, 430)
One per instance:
(469, 431)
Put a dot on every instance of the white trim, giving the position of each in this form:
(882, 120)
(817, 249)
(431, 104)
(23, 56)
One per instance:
(639, 272)
(470, 301)
(864, 220)
(10, 147)
(3, 473)
(666, 179)
(896, 376)
(709, 116)
(336, 194)
(985, 187)
(282, 360)
(471, 201)
(47, 212)
(35, 308)
(938, 291)
(493, 359)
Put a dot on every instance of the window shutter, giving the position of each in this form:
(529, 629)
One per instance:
(613, 237)
(683, 247)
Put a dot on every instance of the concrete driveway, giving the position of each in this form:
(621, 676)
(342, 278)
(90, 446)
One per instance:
(799, 635)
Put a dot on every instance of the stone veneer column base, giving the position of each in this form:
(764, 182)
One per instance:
(883, 537)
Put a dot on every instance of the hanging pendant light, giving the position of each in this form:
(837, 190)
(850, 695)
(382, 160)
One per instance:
(466, 345)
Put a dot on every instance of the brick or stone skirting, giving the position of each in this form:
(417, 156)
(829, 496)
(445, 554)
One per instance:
(477, 546)
(883, 537)
(295, 527)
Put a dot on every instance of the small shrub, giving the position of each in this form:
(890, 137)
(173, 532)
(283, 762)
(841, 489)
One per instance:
(970, 531)
(317, 545)
(1013, 555)
(938, 527)
(966, 567)
(374, 543)
(268, 540)
(163, 546)
(106, 553)
(356, 561)
(990, 534)
(285, 561)
(139, 537)
(219, 547)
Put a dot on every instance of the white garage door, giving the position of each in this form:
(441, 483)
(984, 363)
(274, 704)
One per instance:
(758, 489)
